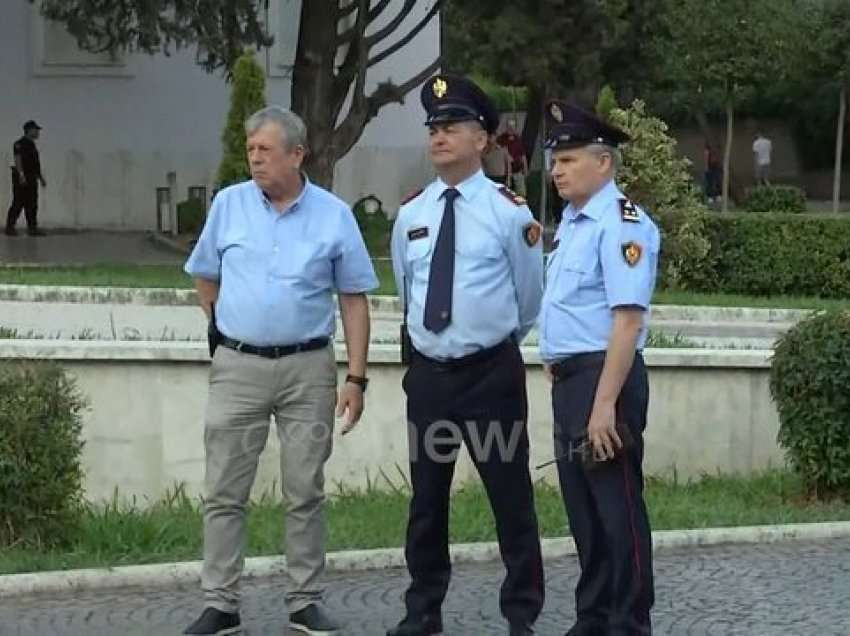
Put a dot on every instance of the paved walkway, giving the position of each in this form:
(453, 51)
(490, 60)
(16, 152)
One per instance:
(781, 589)
(77, 248)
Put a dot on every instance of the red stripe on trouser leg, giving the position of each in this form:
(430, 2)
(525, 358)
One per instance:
(630, 503)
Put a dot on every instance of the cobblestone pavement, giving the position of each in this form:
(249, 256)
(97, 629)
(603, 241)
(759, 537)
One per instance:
(791, 588)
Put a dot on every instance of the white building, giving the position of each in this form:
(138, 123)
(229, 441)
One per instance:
(113, 129)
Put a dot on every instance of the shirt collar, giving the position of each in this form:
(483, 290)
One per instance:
(467, 188)
(597, 204)
(292, 207)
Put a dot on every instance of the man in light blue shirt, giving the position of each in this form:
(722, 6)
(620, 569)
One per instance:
(593, 324)
(270, 256)
(467, 256)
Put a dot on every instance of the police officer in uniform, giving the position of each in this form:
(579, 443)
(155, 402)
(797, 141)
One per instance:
(593, 325)
(26, 175)
(467, 256)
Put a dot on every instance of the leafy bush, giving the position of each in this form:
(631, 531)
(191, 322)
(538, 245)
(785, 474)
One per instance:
(190, 216)
(809, 381)
(246, 97)
(775, 198)
(376, 227)
(779, 254)
(658, 180)
(40, 446)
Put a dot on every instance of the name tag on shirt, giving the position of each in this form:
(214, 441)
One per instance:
(417, 233)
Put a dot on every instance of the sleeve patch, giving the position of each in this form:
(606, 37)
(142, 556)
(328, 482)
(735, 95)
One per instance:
(511, 196)
(629, 212)
(531, 232)
(632, 252)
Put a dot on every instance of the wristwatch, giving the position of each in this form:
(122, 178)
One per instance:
(356, 379)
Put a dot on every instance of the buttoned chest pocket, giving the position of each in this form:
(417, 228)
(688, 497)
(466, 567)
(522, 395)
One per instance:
(479, 254)
(578, 272)
(418, 253)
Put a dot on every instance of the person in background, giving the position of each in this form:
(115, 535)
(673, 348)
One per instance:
(26, 175)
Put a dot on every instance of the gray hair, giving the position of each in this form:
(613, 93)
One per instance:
(291, 125)
(614, 153)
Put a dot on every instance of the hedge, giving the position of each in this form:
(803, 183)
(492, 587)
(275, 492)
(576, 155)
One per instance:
(779, 254)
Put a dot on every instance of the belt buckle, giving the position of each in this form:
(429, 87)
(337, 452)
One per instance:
(276, 351)
(239, 346)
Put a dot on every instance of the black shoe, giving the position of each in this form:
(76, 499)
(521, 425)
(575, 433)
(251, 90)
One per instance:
(36, 232)
(10, 231)
(213, 621)
(418, 626)
(520, 629)
(314, 621)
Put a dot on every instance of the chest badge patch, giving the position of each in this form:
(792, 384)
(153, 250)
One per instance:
(417, 233)
(531, 233)
(632, 252)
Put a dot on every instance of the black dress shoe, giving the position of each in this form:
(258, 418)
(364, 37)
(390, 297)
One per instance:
(10, 231)
(36, 232)
(216, 622)
(313, 621)
(418, 626)
(520, 629)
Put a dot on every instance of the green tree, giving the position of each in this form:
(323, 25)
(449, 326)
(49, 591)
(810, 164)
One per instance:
(552, 47)
(718, 52)
(659, 180)
(830, 57)
(247, 96)
(331, 97)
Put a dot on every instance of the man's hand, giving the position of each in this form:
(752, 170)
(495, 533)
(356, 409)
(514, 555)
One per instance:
(547, 371)
(43, 182)
(602, 431)
(350, 403)
(21, 178)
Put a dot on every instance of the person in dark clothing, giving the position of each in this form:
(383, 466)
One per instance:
(26, 175)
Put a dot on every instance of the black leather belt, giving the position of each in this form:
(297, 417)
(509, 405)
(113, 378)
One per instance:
(568, 366)
(473, 358)
(274, 351)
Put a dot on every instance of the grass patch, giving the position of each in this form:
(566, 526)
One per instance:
(738, 300)
(172, 276)
(171, 529)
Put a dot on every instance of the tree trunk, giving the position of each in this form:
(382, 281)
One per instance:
(313, 89)
(839, 150)
(533, 119)
(727, 153)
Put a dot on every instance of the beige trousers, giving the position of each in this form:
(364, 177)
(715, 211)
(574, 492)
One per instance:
(299, 390)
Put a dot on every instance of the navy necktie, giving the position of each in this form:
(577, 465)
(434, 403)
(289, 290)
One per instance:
(438, 302)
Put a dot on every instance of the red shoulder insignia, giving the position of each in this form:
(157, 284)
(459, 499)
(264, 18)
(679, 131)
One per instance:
(412, 196)
(511, 196)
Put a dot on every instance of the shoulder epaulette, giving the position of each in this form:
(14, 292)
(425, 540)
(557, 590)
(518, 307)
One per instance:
(512, 196)
(628, 211)
(412, 196)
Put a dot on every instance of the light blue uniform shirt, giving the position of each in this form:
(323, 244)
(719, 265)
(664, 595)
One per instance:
(588, 274)
(498, 277)
(278, 270)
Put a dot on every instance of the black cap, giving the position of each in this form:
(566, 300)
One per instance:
(569, 126)
(31, 124)
(448, 98)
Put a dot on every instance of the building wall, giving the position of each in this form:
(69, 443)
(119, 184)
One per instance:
(113, 129)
